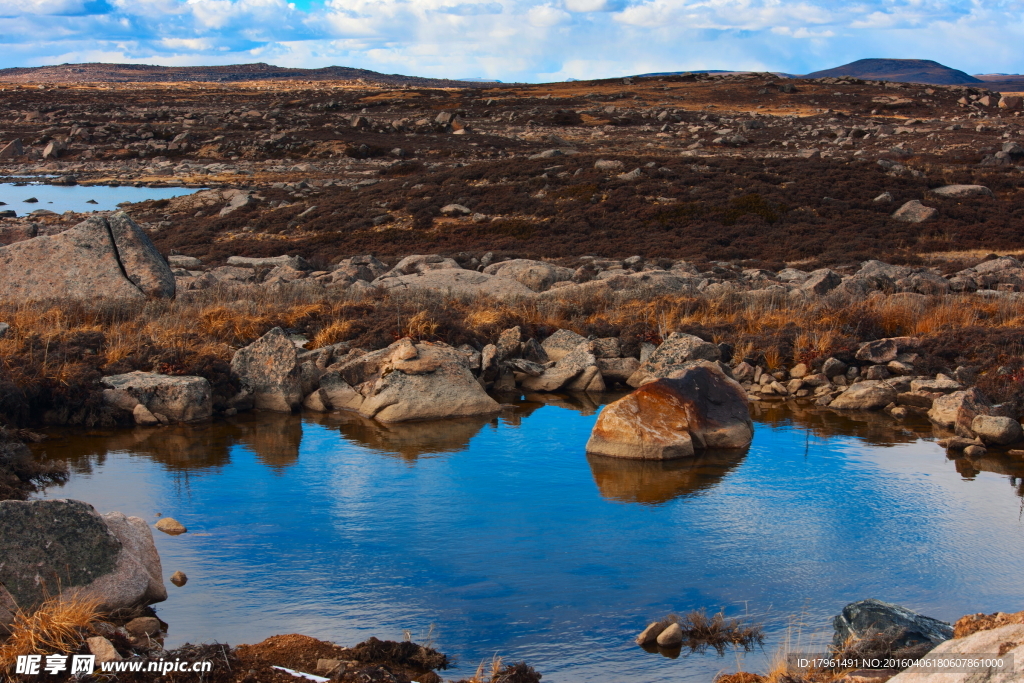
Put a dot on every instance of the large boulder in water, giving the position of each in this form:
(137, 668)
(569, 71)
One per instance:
(863, 617)
(99, 258)
(64, 547)
(409, 381)
(699, 408)
(269, 369)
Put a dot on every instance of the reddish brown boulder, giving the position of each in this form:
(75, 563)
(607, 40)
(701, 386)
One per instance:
(698, 408)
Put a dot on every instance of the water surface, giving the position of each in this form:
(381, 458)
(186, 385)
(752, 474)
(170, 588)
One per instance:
(509, 539)
(76, 198)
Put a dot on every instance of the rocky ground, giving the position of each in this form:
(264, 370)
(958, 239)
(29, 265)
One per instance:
(742, 167)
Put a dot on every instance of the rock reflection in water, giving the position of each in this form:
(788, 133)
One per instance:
(652, 482)
(408, 440)
(874, 428)
(273, 437)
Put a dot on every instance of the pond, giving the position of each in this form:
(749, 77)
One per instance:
(501, 536)
(58, 198)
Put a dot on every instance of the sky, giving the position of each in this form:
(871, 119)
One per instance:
(516, 40)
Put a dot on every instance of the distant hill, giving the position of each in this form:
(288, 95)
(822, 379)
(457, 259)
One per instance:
(131, 73)
(902, 70)
(1003, 82)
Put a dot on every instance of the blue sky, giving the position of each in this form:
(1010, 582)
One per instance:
(516, 40)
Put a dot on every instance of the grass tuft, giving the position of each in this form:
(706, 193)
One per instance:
(56, 626)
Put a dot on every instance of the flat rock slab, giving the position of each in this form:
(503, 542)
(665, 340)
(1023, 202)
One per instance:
(958, 191)
(458, 281)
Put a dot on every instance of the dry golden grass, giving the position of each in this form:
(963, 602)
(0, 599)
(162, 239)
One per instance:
(55, 626)
(215, 322)
(336, 331)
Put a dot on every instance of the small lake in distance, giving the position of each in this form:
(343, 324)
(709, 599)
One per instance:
(59, 198)
(508, 539)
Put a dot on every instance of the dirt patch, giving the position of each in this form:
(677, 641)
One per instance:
(406, 654)
(293, 651)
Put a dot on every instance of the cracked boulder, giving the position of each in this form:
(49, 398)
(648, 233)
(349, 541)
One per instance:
(102, 257)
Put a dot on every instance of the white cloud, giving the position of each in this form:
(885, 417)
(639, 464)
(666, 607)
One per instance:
(543, 16)
(594, 5)
(517, 39)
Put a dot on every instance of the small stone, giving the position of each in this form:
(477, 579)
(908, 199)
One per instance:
(996, 430)
(650, 634)
(328, 666)
(4, 329)
(171, 526)
(914, 212)
(455, 210)
(103, 649)
(799, 371)
(671, 636)
(975, 451)
(878, 372)
(833, 367)
(143, 626)
(179, 579)
(143, 416)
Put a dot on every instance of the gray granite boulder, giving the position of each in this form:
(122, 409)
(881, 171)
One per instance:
(269, 369)
(536, 275)
(1006, 640)
(405, 382)
(561, 344)
(98, 258)
(64, 547)
(673, 354)
(179, 398)
(142, 263)
(868, 395)
(568, 368)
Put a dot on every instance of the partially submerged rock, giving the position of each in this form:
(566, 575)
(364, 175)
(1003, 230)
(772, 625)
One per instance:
(407, 381)
(868, 395)
(957, 410)
(699, 408)
(269, 369)
(573, 366)
(171, 526)
(65, 547)
(178, 398)
(874, 616)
